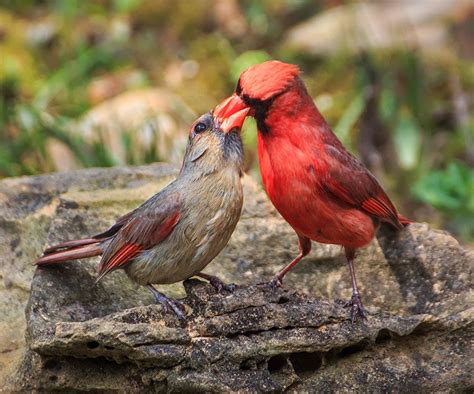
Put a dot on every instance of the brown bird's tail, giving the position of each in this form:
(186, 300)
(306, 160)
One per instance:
(71, 250)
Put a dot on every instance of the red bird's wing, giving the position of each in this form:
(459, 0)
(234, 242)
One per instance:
(149, 225)
(351, 182)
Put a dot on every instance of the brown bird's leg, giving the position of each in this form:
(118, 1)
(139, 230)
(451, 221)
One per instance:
(304, 245)
(217, 283)
(355, 303)
(168, 303)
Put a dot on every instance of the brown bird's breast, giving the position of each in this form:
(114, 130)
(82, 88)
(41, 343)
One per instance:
(211, 209)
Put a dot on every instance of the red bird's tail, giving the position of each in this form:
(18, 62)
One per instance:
(404, 221)
(71, 250)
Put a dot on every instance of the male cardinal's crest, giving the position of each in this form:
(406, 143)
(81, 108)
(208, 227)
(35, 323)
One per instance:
(264, 81)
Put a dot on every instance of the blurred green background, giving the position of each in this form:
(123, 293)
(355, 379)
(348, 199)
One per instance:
(110, 82)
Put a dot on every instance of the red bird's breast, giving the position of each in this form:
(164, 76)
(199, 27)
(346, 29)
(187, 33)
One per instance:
(292, 166)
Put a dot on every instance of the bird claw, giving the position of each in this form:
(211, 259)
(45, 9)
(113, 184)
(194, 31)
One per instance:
(176, 306)
(168, 304)
(220, 286)
(357, 309)
(275, 283)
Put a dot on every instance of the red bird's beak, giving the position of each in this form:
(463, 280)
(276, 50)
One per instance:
(231, 113)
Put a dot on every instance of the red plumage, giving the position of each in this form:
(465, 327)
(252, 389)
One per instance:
(265, 80)
(322, 191)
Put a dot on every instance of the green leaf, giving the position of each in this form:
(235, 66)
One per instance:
(349, 118)
(126, 5)
(388, 106)
(450, 190)
(407, 140)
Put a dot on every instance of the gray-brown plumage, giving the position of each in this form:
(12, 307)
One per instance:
(177, 232)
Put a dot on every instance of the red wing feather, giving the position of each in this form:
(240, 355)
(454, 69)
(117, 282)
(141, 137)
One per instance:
(128, 252)
(378, 207)
(351, 182)
(150, 225)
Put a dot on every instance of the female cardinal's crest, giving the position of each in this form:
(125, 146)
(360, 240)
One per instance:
(263, 81)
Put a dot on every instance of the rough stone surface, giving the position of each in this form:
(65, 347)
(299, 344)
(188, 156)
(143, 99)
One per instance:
(416, 287)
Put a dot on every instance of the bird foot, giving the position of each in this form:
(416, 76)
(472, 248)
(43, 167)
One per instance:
(357, 309)
(220, 286)
(177, 307)
(168, 303)
(275, 283)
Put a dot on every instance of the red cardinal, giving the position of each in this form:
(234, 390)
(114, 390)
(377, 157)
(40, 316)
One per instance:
(177, 232)
(322, 191)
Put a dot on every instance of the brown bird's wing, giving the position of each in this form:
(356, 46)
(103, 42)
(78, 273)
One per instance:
(121, 221)
(149, 225)
(351, 182)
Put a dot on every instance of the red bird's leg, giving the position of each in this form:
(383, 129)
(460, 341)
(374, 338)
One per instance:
(168, 303)
(355, 303)
(304, 246)
(217, 283)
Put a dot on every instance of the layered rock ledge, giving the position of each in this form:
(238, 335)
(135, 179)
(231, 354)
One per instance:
(416, 285)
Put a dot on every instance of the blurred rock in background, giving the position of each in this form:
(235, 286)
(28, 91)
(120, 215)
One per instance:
(363, 26)
(153, 121)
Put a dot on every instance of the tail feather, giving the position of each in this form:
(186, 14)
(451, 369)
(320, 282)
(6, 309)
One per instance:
(403, 220)
(70, 245)
(79, 252)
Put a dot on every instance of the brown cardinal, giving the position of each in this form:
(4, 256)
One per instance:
(322, 191)
(177, 232)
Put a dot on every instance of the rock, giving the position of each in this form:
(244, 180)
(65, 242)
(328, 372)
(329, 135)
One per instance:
(361, 26)
(230, 18)
(138, 124)
(416, 288)
(255, 339)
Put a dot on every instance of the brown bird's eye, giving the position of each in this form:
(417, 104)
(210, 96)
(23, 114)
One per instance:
(200, 127)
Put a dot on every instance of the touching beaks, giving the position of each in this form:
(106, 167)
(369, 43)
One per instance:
(231, 113)
(236, 120)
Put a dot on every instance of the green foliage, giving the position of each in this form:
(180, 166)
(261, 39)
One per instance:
(452, 192)
(407, 141)
(74, 72)
(124, 6)
(27, 124)
(245, 60)
(349, 119)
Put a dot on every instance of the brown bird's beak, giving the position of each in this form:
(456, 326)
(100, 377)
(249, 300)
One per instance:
(231, 113)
